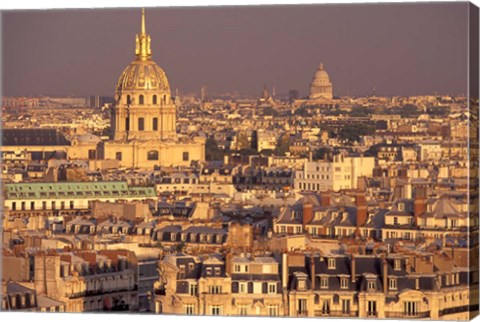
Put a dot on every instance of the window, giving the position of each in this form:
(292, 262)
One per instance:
(152, 155)
(346, 306)
(371, 285)
(302, 307)
(417, 283)
(301, 285)
(395, 220)
(140, 100)
(372, 308)
(243, 287)
(14, 206)
(397, 265)
(324, 282)
(344, 282)
(118, 156)
(182, 271)
(185, 156)
(392, 284)
(155, 124)
(243, 310)
(129, 100)
(272, 288)
(326, 307)
(331, 263)
(127, 124)
(272, 310)
(154, 99)
(216, 310)
(215, 289)
(190, 309)
(236, 268)
(141, 124)
(401, 207)
(410, 308)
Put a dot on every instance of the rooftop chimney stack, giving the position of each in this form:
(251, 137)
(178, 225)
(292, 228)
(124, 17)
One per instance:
(419, 203)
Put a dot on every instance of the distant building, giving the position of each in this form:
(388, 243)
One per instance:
(341, 173)
(321, 85)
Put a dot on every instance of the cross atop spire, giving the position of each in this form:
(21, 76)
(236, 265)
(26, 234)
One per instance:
(142, 48)
(143, 21)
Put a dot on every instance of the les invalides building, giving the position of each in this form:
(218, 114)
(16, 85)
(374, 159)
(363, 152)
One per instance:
(144, 118)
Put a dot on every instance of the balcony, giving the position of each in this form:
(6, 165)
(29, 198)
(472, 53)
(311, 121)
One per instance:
(320, 313)
(409, 315)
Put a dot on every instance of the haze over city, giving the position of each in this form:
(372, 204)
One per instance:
(400, 49)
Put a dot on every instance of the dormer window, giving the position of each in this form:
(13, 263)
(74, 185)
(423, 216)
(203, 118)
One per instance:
(301, 285)
(173, 236)
(371, 285)
(417, 283)
(344, 282)
(209, 271)
(182, 270)
(324, 282)
(401, 207)
(397, 265)
(217, 270)
(392, 284)
(191, 266)
(332, 263)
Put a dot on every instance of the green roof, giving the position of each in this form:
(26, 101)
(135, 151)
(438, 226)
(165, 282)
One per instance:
(76, 190)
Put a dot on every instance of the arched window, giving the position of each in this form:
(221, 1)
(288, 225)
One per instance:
(129, 100)
(165, 99)
(155, 124)
(140, 100)
(152, 155)
(141, 124)
(154, 99)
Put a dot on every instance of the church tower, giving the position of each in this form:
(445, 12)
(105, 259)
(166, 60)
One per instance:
(144, 109)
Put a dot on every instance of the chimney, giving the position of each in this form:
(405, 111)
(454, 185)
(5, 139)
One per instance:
(408, 266)
(385, 275)
(284, 271)
(419, 203)
(228, 264)
(325, 200)
(312, 270)
(352, 268)
(307, 213)
(361, 205)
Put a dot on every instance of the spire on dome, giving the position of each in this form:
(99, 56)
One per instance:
(142, 48)
(320, 66)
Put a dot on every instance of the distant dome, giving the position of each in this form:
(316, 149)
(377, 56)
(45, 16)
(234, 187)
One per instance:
(143, 75)
(321, 85)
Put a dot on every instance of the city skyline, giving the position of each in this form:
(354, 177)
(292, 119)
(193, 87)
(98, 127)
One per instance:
(284, 55)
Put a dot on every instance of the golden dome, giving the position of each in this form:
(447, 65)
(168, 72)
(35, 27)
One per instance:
(143, 73)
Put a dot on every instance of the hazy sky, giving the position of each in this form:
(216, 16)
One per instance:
(401, 49)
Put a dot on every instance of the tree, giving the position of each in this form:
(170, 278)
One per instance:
(352, 132)
(409, 110)
(283, 145)
(212, 151)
